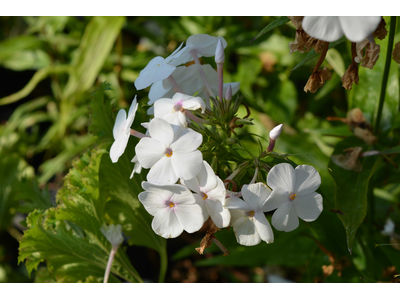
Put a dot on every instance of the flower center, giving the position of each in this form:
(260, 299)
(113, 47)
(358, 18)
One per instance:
(292, 196)
(251, 213)
(172, 204)
(178, 105)
(168, 152)
(204, 195)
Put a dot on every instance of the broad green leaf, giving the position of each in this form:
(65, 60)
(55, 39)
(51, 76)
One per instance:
(351, 188)
(313, 54)
(96, 44)
(392, 150)
(278, 22)
(31, 197)
(27, 59)
(366, 94)
(20, 43)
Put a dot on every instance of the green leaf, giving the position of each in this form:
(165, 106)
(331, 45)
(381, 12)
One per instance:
(351, 188)
(32, 197)
(313, 54)
(366, 94)
(392, 150)
(96, 44)
(278, 22)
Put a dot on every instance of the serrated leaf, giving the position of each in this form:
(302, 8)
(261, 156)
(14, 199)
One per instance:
(278, 22)
(313, 54)
(351, 188)
(32, 197)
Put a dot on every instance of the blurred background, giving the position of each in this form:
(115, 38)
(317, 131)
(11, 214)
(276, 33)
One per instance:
(50, 65)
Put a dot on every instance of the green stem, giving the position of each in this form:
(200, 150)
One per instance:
(392, 31)
(164, 265)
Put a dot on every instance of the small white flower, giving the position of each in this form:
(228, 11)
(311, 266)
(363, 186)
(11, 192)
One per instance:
(122, 131)
(170, 154)
(210, 195)
(388, 230)
(158, 69)
(219, 53)
(294, 196)
(172, 110)
(330, 29)
(173, 207)
(113, 233)
(250, 224)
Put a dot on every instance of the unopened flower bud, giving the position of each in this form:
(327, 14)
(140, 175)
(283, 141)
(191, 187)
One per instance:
(276, 132)
(113, 233)
(219, 53)
(228, 93)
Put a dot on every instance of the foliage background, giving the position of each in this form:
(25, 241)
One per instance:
(52, 64)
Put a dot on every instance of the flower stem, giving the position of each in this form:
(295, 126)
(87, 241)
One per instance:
(321, 57)
(203, 76)
(175, 85)
(138, 134)
(109, 263)
(392, 31)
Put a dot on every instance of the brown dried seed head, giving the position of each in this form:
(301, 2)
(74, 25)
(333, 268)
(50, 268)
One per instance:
(381, 31)
(371, 56)
(365, 135)
(396, 53)
(350, 160)
(317, 80)
(297, 21)
(303, 43)
(350, 76)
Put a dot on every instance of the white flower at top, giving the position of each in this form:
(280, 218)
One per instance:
(250, 225)
(173, 110)
(122, 131)
(294, 196)
(158, 69)
(202, 44)
(170, 154)
(173, 207)
(210, 194)
(113, 233)
(330, 29)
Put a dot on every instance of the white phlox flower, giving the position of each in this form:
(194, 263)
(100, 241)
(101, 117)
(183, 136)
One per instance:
(202, 44)
(330, 29)
(173, 207)
(173, 110)
(249, 222)
(158, 69)
(190, 81)
(210, 195)
(122, 131)
(113, 233)
(293, 195)
(170, 154)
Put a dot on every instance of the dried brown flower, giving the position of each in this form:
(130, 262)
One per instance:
(317, 80)
(303, 43)
(350, 160)
(396, 53)
(381, 31)
(297, 21)
(350, 76)
(365, 135)
(371, 53)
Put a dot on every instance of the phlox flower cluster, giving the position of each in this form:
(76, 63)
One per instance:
(182, 190)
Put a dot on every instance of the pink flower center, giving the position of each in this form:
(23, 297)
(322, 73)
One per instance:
(204, 195)
(178, 105)
(168, 152)
(292, 196)
(170, 203)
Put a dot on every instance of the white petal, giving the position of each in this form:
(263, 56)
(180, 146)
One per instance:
(235, 203)
(276, 199)
(182, 57)
(149, 151)
(162, 172)
(308, 207)
(157, 91)
(166, 224)
(358, 28)
(192, 184)
(118, 147)
(194, 103)
(207, 178)
(204, 44)
(217, 193)
(155, 71)
(165, 191)
(119, 123)
(137, 168)
(263, 227)
(163, 107)
(255, 195)
(307, 180)
(245, 232)
(152, 202)
(133, 107)
(282, 176)
(202, 204)
(190, 217)
(187, 142)
(182, 195)
(160, 130)
(220, 215)
(285, 218)
(236, 214)
(327, 29)
(187, 165)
